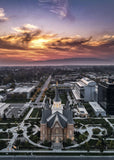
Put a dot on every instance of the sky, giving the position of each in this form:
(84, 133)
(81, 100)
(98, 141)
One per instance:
(41, 30)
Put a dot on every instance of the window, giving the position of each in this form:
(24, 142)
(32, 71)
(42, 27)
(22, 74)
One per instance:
(57, 131)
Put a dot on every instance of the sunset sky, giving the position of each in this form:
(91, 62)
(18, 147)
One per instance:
(40, 30)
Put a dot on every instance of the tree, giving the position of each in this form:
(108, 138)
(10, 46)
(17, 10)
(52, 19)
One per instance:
(68, 142)
(9, 125)
(4, 117)
(87, 146)
(100, 145)
(47, 143)
(111, 144)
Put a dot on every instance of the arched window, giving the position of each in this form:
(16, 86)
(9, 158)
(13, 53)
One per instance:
(56, 131)
(70, 132)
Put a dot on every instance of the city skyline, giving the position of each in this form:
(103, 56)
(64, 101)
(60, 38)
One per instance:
(47, 30)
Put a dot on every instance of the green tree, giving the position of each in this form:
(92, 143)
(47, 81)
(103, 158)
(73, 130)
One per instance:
(87, 146)
(111, 144)
(68, 142)
(100, 145)
(4, 117)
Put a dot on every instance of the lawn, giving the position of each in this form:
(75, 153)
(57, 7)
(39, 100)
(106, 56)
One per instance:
(111, 120)
(36, 113)
(90, 121)
(5, 135)
(7, 126)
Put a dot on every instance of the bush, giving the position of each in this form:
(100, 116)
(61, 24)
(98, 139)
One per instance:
(20, 132)
(6, 135)
(96, 131)
(47, 143)
(35, 138)
(68, 142)
(3, 144)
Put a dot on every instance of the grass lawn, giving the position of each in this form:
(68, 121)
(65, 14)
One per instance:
(4, 135)
(111, 120)
(90, 121)
(3, 144)
(35, 113)
(7, 126)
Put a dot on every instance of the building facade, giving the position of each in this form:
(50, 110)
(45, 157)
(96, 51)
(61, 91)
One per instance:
(85, 90)
(106, 97)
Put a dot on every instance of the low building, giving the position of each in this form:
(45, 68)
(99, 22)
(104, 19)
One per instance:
(3, 108)
(98, 110)
(62, 87)
(25, 90)
(1, 98)
(85, 89)
(16, 110)
(82, 111)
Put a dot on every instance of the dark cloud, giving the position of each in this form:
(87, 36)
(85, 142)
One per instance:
(107, 46)
(7, 45)
(68, 43)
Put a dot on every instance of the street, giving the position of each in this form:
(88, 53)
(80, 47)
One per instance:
(56, 158)
(43, 89)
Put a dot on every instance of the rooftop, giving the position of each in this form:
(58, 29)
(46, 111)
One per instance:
(96, 107)
(24, 89)
(86, 81)
(77, 97)
(3, 106)
(82, 109)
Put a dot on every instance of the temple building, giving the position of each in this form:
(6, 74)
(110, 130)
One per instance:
(57, 121)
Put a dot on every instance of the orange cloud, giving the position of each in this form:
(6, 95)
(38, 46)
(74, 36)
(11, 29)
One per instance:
(29, 43)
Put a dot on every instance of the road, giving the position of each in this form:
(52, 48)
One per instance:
(43, 89)
(56, 158)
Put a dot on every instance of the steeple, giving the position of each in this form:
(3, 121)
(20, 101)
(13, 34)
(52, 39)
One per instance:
(57, 106)
(57, 98)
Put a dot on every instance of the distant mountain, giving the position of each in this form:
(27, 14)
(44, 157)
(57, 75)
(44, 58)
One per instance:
(74, 61)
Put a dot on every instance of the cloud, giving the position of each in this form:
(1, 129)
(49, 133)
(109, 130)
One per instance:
(59, 7)
(21, 38)
(31, 43)
(3, 17)
(25, 28)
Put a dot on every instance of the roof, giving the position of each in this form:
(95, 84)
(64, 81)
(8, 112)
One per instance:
(24, 89)
(81, 84)
(45, 113)
(96, 107)
(75, 93)
(88, 81)
(82, 109)
(3, 106)
(68, 114)
(85, 82)
(1, 90)
(57, 117)
(1, 97)
(63, 119)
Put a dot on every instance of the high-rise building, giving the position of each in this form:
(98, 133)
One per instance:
(106, 96)
(85, 89)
